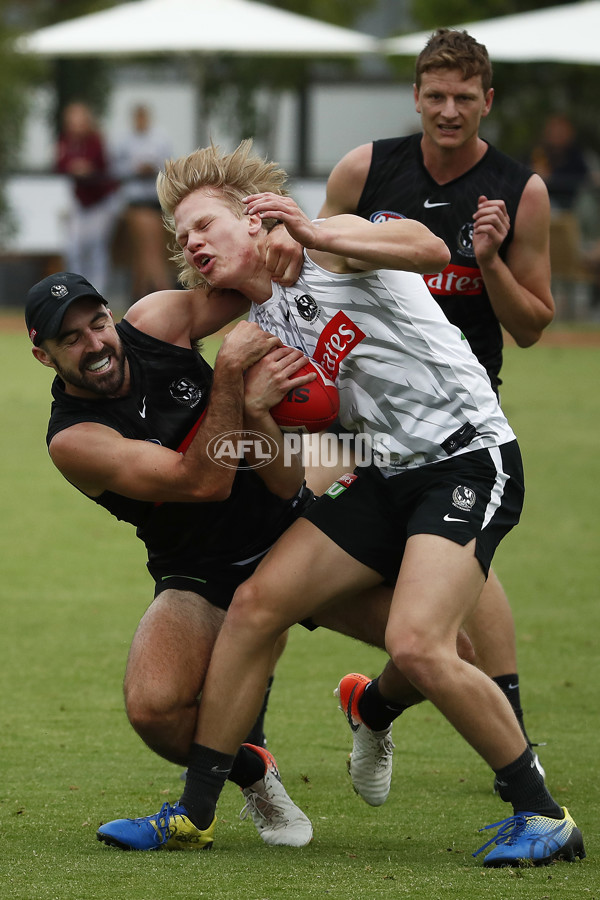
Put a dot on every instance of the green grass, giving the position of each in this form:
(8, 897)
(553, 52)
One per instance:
(74, 586)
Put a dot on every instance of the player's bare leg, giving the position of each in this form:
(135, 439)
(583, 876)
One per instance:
(438, 587)
(492, 630)
(167, 664)
(165, 673)
(277, 595)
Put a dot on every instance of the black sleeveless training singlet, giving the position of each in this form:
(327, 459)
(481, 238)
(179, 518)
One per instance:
(398, 185)
(170, 388)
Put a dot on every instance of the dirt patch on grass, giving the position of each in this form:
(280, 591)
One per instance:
(585, 336)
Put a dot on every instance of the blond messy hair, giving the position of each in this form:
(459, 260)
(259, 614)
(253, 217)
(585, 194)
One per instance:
(233, 176)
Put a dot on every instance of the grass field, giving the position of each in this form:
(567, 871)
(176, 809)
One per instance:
(74, 586)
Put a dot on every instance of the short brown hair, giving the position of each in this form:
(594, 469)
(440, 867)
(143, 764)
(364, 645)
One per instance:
(451, 49)
(234, 175)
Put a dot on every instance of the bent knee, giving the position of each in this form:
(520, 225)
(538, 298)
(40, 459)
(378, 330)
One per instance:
(143, 715)
(420, 660)
(141, 710)
(148, 711)
(253, 608)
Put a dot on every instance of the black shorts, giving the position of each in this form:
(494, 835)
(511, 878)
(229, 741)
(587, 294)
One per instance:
(218, 581)
(217, 584)
(478, 494)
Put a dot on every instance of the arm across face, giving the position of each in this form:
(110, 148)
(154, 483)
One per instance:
(182, 317)
(348, 243)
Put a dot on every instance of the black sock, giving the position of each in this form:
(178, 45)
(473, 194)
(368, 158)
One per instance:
(207, 772)
(257, 735)
(509, 685)
(521, 784)
(248, 767)
(376, 712)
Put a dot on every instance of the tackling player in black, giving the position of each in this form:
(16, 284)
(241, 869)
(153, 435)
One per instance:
(135, 407)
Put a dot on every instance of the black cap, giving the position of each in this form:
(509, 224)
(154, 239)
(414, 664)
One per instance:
(48, 301)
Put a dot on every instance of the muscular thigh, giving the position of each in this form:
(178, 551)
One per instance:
(362, 615)
(437, 589)
(303, 573)
(172, 646)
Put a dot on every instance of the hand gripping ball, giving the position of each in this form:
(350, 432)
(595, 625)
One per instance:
(311, 407)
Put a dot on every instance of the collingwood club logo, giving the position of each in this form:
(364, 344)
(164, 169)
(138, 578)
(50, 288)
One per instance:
(58, 291)
(463, 497)
(307, 307)
(185, 392)
(465, 239)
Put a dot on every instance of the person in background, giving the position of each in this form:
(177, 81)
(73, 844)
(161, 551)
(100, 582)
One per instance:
(560, 161)
(82, 155)
(138, 157)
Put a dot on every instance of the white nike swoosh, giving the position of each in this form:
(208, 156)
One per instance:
(429, 205)
(142, 411)
(448, 518)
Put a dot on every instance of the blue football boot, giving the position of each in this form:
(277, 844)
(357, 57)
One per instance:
(169, 829)
(534, 840)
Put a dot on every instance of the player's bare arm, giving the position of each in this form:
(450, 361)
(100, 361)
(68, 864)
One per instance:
(95, 458)
(346, 182)
(349, 243)
(181, 317)
(519, 289)
(266, 383)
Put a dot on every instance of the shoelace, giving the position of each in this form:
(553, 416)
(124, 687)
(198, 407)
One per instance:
(162, 820)
(255, 801)
(509, 831)
(385, 746)
(265, 805)
(252, 804)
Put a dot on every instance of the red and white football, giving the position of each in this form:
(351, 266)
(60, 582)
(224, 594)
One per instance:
(311, 407)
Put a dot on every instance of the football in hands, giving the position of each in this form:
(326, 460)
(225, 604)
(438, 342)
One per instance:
(311, 407)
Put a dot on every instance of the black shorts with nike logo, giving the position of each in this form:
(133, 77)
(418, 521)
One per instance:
(477, 494)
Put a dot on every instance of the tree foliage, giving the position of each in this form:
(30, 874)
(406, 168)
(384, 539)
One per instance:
(17, 74)
(336, 12)
(432, 13)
